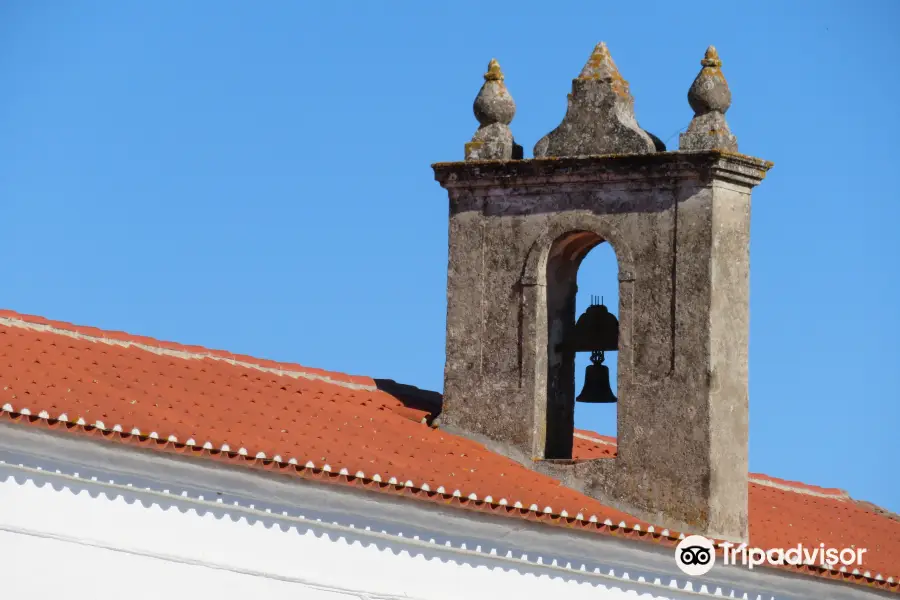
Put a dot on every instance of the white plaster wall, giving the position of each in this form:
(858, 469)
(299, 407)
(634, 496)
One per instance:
(79, 544)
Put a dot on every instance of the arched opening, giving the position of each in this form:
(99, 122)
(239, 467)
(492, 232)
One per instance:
(598, 275)
(581, 270)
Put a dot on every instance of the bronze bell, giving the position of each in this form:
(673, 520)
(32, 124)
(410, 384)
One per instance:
(596, 383)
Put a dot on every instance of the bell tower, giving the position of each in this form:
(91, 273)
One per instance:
(679, 223)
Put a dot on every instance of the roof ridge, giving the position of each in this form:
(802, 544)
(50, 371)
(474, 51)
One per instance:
(787, 485)
(878, 510)
(10, 318)
(596, 437)
(798, 487)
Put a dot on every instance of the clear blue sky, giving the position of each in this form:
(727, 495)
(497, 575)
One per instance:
(255, 177)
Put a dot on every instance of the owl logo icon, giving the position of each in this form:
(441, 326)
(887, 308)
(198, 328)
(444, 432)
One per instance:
(695, 555)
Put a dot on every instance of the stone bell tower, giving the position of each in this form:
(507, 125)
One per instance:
(679, 223)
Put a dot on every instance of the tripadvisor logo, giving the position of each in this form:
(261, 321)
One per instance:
(695, 555)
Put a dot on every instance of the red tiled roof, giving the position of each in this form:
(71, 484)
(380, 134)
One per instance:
(313, 423)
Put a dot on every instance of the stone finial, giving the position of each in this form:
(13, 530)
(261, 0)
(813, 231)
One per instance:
(600, 116)
(710, 98)
(494, 108)
(494, 103)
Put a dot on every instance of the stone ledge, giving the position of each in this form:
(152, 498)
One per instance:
(706, 165)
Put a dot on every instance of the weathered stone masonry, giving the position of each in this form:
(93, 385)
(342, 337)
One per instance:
(679, 225)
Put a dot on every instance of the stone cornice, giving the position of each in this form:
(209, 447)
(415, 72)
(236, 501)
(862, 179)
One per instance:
(707, 166)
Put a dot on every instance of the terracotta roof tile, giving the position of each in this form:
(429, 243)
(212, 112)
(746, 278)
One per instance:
(309, 416)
